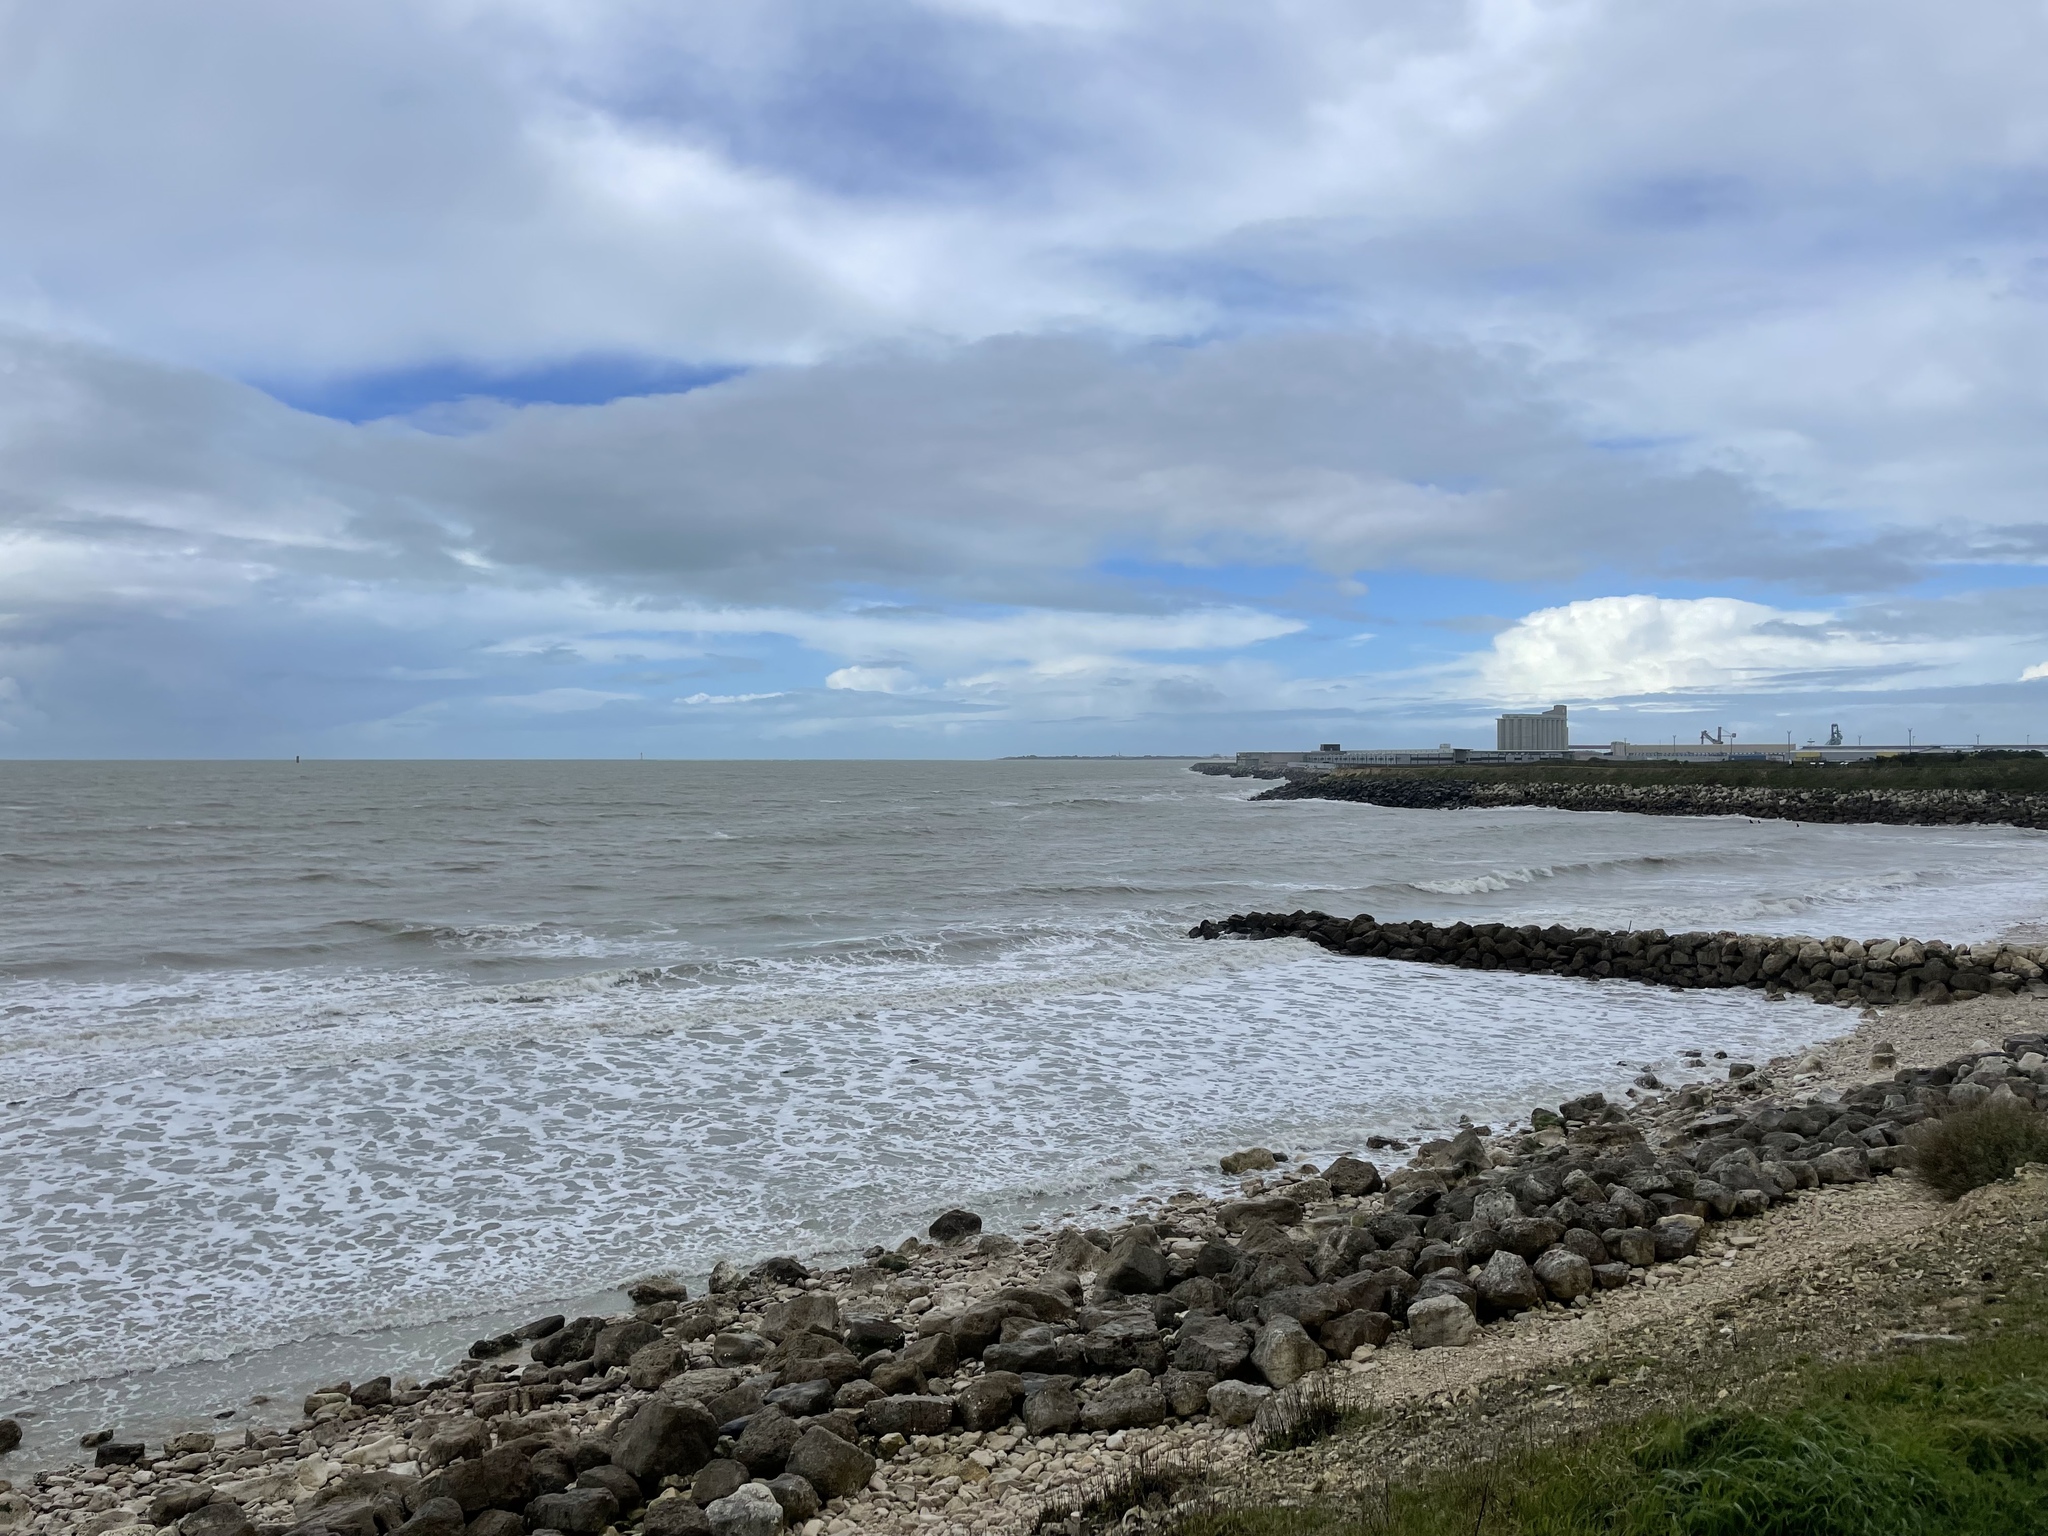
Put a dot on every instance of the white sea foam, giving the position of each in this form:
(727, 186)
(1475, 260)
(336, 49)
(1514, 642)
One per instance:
(293, 1057)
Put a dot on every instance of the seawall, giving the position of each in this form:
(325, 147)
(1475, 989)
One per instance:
(1889, 807)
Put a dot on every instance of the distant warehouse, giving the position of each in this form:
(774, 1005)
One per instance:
(1546, 732)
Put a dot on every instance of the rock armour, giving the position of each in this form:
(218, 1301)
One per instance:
(1830, 970)
(1886, 807)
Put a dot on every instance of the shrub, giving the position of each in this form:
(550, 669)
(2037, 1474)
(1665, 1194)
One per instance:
(1975, 1147)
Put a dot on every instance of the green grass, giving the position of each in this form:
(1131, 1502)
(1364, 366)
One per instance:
(2010, 772)
(1973, 1147)
(1952, 1441)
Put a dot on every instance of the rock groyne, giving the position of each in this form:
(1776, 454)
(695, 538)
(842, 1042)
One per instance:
(1819, 803)
(1830, 970)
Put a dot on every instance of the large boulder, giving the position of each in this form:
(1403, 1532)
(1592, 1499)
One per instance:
(748, 1511)
(813, 1356)
(1053, 1409)
(1125, 1344)
(1236, 1215)
(177, 1501)
(674, 1515)
(954, 1226)
(1676, 1237)
(986, 1401)
(225, 1519)
(572, 1341)
(1633, 1246)
(1350, 1331)
(619, 1340)
(652, 1364)
(829, 1464)
(574, 1512)
(1187, 1392)
(1284, 1353)
(908, 1415)
(1236, 1402)
(799, 1500)
(715, 1479)
(812, 1312)
(1134, 1265)
(1349, 1176)
(764, 1445)
(665, 1438)
(1131, 1401)
(436, 1517)
(1565, 1275)
(1844, 1165)
(1528, 1236)
(495, 1480)
(1309, 1305)
(1213, 1344)
(865, 1334)
(1441, 1321)
(1507, 1285)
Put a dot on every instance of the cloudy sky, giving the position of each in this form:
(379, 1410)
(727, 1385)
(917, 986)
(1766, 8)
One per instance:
(966, 377)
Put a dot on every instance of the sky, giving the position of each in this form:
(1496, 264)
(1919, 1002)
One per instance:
(959, 378)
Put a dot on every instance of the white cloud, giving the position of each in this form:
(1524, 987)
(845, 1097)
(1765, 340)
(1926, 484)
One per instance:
(2035, 672)
(873, 680)
(1613, 647)
(558, 701)
(729, 698)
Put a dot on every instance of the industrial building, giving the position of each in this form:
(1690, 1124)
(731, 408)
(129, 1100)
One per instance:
(1546, 732)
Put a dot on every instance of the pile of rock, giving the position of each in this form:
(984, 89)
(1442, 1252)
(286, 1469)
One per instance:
(1830, 970)
(1890, 807)
(926, 1384)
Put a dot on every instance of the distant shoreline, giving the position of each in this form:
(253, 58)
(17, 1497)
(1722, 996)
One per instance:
(1903, 806)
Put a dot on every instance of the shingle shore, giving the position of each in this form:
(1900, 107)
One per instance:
(964, 1384)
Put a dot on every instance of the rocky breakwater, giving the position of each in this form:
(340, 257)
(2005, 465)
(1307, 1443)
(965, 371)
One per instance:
(1830, 970)
(965, 1381)
(1888, 807)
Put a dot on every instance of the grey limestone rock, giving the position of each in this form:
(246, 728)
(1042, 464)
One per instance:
(908, 1415)
(1236, 1402)
(954, 1226)
(1284, 1353)
(833, 1466)
(1349, 1331)
(986, 1401)
(674, 1515)
(764, 1445)
(1187, 1392)
(665, 1438)
(574, 1512)
(1506, 1285)
(226, 1519)
(799, 1500)
(1131, 1401)
(715, 1479)
(1134, 1264)
(1441, 1321)
(1054, 1409)
(1565, 1275)
(750, 1510)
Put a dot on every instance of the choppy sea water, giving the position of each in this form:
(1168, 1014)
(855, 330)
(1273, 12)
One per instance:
(307, 1071)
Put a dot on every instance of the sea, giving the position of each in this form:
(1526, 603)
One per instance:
(322, 1070)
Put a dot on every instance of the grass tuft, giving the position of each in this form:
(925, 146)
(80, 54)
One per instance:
(1953, 1443)
(1974, 1147)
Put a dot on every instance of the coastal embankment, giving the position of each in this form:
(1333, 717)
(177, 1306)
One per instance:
(975, 1381)
(1830, 970)
(1843, 796)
